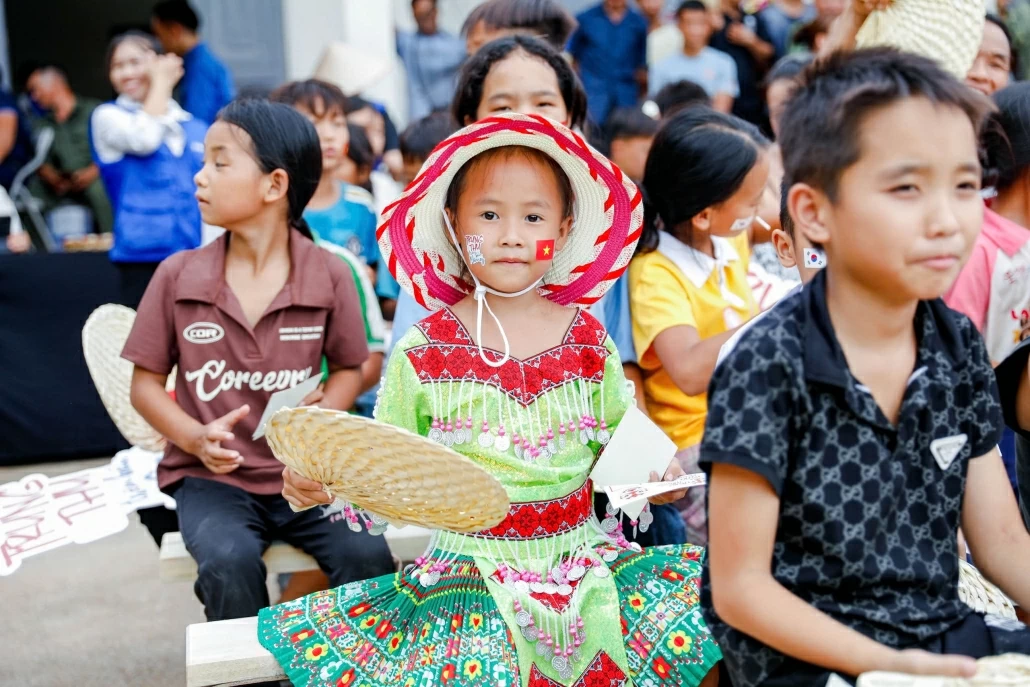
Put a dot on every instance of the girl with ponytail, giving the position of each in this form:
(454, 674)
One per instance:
(703, 183)
(252, 313)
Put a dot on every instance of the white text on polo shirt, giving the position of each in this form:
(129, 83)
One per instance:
(276, 380)
(300, 333)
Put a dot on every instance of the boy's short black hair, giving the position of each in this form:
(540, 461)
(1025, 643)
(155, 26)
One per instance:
(360, 150)
(545, 19)
(786, 221)
(629, 122)
(821, 125)
(176, 12)
(421, 137)
(688, 5)
(320, 98)
(679, 95)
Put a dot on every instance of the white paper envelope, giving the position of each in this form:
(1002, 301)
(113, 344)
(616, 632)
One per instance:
(287, 398)
(637, 448)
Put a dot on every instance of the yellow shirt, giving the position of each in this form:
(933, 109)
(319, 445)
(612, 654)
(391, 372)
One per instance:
(677, 285)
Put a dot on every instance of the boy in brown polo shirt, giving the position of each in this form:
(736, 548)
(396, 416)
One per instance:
(248, 315)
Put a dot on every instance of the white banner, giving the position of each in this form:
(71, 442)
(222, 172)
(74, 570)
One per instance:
(40, 513)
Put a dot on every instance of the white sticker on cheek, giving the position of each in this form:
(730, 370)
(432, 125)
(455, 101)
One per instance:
(474, 246)
(742, 224)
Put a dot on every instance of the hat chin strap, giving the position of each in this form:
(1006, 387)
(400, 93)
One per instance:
(481, 302)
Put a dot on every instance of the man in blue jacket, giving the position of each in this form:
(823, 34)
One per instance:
(206, 87)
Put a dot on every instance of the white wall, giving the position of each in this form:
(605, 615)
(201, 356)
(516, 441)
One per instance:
(309, 26)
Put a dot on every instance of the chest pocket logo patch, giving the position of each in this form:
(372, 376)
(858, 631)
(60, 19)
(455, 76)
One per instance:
(946, 450)
(203, 333)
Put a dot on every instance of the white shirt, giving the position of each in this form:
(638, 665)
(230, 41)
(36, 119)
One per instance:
(125, 129)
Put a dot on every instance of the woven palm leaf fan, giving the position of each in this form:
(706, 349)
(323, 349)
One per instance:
(981, 595)
(387, 471)
(103, 337)
(948, 31)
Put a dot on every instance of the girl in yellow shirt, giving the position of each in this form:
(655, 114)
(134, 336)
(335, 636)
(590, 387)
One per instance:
(689, 292)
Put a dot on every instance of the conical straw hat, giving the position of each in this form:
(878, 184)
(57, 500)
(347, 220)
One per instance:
(351, 69)
(103, 337)
(387, 471)
(948, 31)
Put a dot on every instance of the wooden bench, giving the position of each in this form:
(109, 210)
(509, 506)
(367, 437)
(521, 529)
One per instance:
(228, 653)
(406, 544)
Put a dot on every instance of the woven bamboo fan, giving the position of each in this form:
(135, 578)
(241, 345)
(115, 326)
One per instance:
(1009, 670)
(103, 337)
(949, 31)
(982, 596)
(387, 471)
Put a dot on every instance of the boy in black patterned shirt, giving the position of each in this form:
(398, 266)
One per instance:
(852, 430)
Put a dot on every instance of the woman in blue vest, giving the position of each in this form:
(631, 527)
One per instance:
(148, 149)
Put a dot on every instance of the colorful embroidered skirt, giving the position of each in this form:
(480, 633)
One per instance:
(395, 631)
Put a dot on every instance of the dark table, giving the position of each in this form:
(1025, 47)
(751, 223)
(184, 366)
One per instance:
(49, 408)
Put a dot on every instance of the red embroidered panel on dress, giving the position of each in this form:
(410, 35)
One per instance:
(451, 355)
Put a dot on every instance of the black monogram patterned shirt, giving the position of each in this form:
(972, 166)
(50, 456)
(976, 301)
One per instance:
(868, 510)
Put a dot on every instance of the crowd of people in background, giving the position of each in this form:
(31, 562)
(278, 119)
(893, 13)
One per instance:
(693, 99)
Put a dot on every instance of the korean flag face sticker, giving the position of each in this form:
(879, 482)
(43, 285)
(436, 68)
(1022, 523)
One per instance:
(815, 259)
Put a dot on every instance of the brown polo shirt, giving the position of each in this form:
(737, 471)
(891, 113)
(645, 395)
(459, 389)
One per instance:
(191, 318)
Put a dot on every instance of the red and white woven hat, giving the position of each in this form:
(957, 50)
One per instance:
(608, 214)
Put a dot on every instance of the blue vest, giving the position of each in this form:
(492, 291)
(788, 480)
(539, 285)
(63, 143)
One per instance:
(155, 212)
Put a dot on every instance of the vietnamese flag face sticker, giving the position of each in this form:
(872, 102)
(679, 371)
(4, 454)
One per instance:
(545, 250)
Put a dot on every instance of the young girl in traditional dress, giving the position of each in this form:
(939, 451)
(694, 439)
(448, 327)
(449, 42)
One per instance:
(512, 224)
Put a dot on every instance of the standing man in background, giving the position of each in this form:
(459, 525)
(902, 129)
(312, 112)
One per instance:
(745, 38)
(610, 52)
(69, 172)
(206, 86)
(432, 58)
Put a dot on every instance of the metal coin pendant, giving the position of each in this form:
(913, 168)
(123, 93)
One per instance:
(531, 634)
(537, 587)
(502, 443)
(557, 576)
(590, 433)
(565, 589)
(354, 526)
(523, 618)
(583, 438)
(545, 453)
(542, 649)
(604, 436)
(609, 525)
(577, 572)
(560, 663)
(436, 435)
(561, 442)
(602, 571)
(522, 586)
(486, 440)
(448, 439)
(518, 451)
